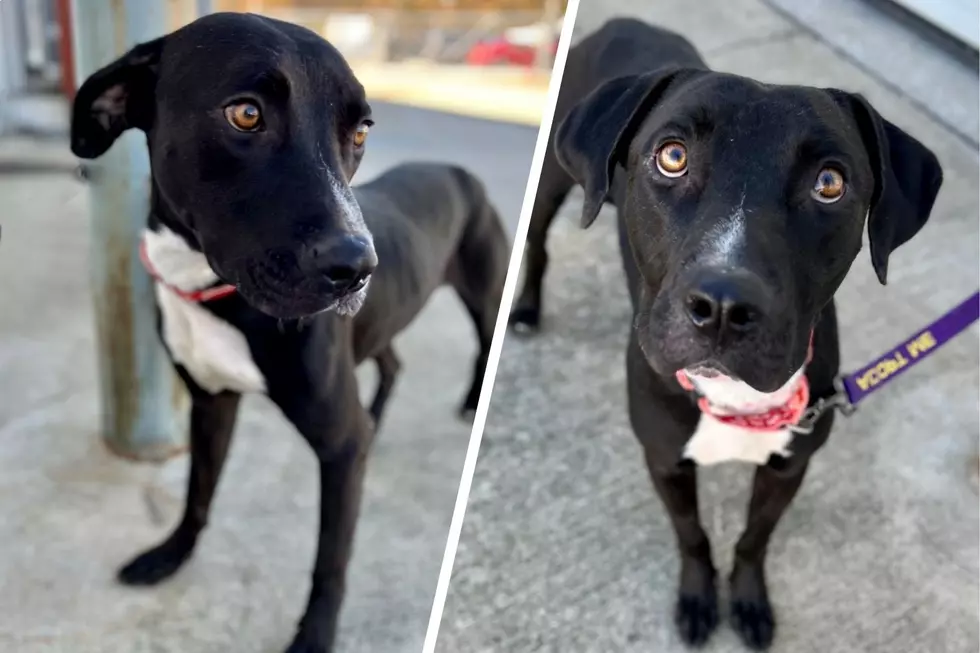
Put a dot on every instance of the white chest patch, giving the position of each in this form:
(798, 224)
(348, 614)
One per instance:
(213, 352)
(715, 441)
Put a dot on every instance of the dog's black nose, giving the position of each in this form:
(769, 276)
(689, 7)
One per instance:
(346, 262)
(726, 301)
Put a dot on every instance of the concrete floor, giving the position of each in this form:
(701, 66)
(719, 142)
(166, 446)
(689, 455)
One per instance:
(565, 547)
(72, 513)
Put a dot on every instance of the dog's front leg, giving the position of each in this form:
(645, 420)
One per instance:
(341, 478)
(212, 422)
(339, 432)
(662, 426)
(751, 613)
(696, 610)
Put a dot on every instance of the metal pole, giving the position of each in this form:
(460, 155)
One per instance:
(13, 67)
(34, 40)
(4, 81)
(142, 400)
(14, 44)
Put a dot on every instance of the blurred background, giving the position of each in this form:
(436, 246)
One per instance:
(85, 390)
(429, 52)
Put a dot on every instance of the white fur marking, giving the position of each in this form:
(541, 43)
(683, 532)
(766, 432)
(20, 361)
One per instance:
(728, 241)
(175, 261)
(213, 352)
(715, 441)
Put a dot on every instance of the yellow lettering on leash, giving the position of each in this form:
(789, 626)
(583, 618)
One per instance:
(921, 344)
(884, 369)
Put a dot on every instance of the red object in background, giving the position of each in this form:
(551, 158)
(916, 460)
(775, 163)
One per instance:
(500, 51)
(65, 49)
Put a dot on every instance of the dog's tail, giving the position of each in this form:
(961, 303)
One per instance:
(478, 272)
(484, 248)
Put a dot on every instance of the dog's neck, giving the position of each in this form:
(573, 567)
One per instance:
(172, 249)
(163, 212)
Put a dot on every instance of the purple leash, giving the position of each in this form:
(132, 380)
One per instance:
(852, 388)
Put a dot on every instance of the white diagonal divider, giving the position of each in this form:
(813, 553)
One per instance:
(500, 331)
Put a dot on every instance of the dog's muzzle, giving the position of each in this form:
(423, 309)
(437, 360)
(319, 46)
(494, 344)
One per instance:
(325, 275)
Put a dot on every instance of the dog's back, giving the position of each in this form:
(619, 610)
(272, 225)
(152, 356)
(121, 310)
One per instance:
(622, 46)
(432, 224)
(412, 210)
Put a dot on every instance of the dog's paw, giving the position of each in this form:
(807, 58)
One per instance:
(696, 617)
(696, 610)
(307, 643)
(466, 413)
(155, 565)
(467, 410)
(307, 647)
(751, 613)
(754, 622)
(525, 320)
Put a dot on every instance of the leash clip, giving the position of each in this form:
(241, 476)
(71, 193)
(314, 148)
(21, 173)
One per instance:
(839, 400)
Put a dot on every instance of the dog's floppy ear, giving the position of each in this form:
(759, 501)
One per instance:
(115, 98)
(907, 178)
(590, 140)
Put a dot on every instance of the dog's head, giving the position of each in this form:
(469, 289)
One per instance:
(744, 204)
(254, 128)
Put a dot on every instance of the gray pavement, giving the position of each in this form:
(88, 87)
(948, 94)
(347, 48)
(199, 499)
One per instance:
(70, 512)
(565, 547)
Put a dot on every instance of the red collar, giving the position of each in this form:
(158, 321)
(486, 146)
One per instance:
(196, 296)
(774, 419)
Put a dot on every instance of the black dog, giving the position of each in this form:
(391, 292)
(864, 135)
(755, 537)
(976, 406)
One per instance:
(741, 207)
(264, 255)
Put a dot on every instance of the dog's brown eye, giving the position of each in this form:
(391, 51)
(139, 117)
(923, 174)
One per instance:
(829, 186)
(244, 116)
(361, 135)
(672, 159)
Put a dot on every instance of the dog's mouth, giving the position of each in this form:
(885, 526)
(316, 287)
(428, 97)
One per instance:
(709, 369)
(763, 370)
(761, 376)
(282, 298)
